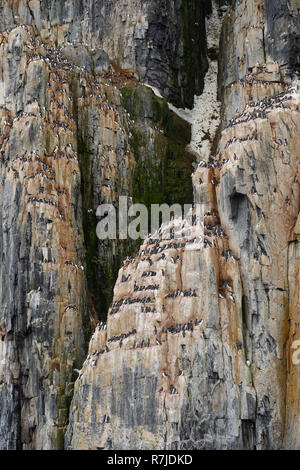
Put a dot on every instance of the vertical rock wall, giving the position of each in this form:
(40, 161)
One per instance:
(197, 348)
(67, 146)
(42, 259)
(162, 40)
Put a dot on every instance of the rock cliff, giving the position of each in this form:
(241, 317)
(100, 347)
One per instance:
(193, 350)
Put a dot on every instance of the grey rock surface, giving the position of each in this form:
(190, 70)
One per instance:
(225, 376)
(196, 348)
(162, 40)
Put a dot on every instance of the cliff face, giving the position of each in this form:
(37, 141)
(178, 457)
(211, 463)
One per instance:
(67, 145)
(209, 362)
(196, 351)
(162, 40)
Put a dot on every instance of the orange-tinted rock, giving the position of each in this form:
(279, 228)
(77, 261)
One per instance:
(228, 381)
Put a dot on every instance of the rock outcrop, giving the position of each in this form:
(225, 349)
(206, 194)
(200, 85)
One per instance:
(66, 146)
(162, 40)
(196, 349)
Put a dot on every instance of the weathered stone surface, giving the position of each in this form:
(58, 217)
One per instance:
(225, 346)
(162, 40)
(42, 259)
(176, 329)
(66, 147)
(197, 349)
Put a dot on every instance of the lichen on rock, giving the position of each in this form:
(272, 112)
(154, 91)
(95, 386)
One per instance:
(188, 342)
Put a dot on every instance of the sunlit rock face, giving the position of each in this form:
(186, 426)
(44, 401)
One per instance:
(42, 258)
(196, 348)
(44, 314)
(172, 349)
(65, 149)
(67, 145)
(163, 41)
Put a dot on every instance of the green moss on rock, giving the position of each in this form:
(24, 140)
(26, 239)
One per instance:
(163, 165)
(162, 174)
